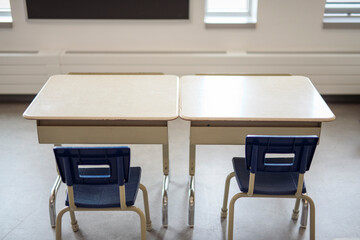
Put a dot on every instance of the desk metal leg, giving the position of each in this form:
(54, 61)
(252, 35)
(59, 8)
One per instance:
(166, 159)
(304, 214)
(191, 201)
(165, 201)
(52, 201)
(191, 217)
(192, 160)
(165, 185)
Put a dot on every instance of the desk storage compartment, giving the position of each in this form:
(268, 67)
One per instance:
(103, 134)
(237, 135)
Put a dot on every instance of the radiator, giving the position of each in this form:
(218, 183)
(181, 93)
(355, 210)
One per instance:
(25, 72)
(330, 72)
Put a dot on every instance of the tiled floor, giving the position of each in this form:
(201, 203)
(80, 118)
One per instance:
(27, 172)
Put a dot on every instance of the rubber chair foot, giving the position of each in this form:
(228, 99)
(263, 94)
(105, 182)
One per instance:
(223, 213)
(149, 227)
(295, 215)
(75, 227)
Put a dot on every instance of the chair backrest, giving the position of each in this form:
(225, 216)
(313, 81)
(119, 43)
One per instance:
(93, 165)
(279, 153)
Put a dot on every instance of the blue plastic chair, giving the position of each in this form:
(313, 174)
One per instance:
(273, 167)
(100, 179)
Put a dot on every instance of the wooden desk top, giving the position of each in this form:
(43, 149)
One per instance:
(251, 98)
(106, 97)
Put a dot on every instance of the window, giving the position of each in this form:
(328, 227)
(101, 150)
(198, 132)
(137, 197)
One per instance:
(5, 13)
(342, 12)
(231, 12)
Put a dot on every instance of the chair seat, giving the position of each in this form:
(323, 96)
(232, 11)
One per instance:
(271, 183)
(106, 196)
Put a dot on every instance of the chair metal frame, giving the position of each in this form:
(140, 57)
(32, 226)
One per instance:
(306, 201)
(145, 221)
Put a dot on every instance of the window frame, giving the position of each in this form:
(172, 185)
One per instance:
(6, 19)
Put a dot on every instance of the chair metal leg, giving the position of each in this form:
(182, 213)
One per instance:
(307, 201)
(231, 215)
(191, 201)
(146, 207)
(52, 201)
(226, 194)
(295, 214)
(74, 224)
(304, 214)
(142, 221)
(312, 215)
(58, 222)
(165, 188)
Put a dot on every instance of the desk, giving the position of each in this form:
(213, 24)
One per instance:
(225, 109)
(106, 109)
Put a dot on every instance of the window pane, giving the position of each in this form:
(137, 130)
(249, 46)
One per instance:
(4, 4)
(345, 7)
(227, 5)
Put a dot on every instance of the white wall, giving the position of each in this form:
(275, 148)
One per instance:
(283, 25)
(329, 57)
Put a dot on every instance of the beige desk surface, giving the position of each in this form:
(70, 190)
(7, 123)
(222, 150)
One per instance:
(251, 98)
(106, 97)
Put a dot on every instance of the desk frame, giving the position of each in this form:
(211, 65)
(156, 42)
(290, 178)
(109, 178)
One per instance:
(234, 133)
(59, 132)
